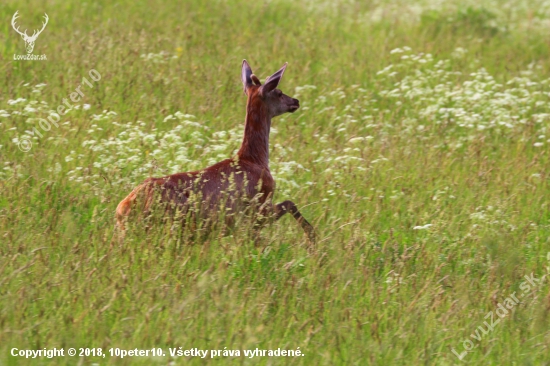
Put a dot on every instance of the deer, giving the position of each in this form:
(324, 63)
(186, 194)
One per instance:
(236, 185)
(29, 40)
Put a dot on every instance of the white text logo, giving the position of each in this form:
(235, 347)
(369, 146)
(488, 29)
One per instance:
(29, 40)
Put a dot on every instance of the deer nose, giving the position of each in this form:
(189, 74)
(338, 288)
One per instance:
(294, 107)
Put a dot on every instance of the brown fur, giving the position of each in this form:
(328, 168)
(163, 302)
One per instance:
(234, 183)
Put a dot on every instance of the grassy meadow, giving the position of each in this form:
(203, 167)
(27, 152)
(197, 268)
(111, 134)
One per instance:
(419, 153)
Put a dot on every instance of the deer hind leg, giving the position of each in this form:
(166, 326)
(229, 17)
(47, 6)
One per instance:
(125, 206)
(289, 207)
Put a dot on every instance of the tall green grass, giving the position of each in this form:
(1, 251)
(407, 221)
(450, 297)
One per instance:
(419, 154)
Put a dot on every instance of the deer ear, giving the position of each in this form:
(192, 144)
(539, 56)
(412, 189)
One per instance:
(246, 75)
(273, 81)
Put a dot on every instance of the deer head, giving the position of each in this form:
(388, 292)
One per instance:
(29, 40)
(267, 95)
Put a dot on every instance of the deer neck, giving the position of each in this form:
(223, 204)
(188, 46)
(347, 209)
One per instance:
(255, 146)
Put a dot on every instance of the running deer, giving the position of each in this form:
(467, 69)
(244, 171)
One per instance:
(234, 185)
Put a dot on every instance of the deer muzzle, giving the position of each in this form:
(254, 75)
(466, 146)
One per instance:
(295, 105)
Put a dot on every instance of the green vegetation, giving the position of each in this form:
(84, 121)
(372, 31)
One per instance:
(420, 154)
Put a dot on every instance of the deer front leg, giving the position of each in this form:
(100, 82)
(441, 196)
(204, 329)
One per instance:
(289, 207)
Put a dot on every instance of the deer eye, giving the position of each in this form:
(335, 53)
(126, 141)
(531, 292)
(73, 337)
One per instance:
(279, 93)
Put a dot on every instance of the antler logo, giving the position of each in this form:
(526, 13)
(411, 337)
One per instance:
(29, 40)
